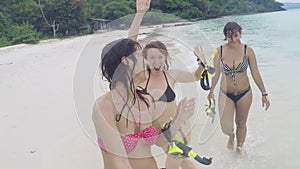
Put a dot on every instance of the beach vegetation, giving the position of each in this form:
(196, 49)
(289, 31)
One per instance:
(150, 19)
(24, 33)
(27, 21)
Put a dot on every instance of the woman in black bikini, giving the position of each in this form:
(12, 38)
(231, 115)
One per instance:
(160, 84)
(235, 95)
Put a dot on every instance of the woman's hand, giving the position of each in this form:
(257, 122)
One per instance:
(265, 102)
(210, 96)
(142, 5)
(198, 52)
(185, 110)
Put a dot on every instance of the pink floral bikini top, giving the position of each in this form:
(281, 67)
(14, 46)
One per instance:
(130, 141)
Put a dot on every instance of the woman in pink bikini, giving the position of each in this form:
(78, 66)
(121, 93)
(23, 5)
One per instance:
(122, 117)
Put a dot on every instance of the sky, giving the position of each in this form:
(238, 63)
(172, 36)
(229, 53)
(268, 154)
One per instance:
(298, 1)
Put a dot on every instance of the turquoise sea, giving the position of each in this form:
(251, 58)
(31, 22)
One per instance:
(273, 138)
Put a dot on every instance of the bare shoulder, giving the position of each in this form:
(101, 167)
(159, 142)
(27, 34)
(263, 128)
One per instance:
(218, 49)
(171, 74)
(249, 49)
(103, 107)
(250, 52)
(103, 101)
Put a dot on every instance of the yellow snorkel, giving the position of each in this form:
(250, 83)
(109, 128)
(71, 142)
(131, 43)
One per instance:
(208, 72)
(210, 111)
(178, 149)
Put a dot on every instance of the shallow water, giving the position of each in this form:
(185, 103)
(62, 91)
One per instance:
(272, 135)
(272, 139)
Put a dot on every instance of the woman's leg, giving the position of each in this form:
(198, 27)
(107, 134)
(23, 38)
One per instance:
(187, 164)
(242, 111)
(173, 163)
(226, 110)
(184, 163)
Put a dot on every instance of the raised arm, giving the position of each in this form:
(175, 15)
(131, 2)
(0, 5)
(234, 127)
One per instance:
(141, 8)
(183, 76)
(215, 79)
(257, 77)
(198, 52)
(107, 131)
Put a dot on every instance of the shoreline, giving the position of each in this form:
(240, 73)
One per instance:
(143, 28)
(147, 31)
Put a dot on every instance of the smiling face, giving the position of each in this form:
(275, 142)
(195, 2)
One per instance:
(157, 55)
(233, 37)
(156, 59)
(232, 32)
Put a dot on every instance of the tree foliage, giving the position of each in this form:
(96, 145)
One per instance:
(66, 15)
(25, 21)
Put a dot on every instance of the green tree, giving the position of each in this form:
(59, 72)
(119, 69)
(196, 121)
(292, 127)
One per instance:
(63, 17)
(23, 21)
(24, 33)
(4, 27)
(25, 11)
(94, 9)
(114, 10)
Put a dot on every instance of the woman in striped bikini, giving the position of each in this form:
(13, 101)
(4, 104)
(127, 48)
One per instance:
(235, 95)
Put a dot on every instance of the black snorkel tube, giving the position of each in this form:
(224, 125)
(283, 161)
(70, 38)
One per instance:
(178, 149)
(208, 72)
(204, 81)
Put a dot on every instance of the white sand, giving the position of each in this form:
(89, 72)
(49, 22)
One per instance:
(40, 126)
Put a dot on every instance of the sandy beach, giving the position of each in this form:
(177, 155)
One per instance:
(47, 91)
(40, 124)
(39, 127)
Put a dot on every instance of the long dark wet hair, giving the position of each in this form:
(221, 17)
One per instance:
(115, 71)
(161, 47)
(230, 28)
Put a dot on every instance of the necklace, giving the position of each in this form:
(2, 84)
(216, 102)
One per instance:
(138, 125)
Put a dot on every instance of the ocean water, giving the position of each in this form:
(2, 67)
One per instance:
(273, 138)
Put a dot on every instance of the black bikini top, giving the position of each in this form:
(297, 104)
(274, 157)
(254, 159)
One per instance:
(168, 95)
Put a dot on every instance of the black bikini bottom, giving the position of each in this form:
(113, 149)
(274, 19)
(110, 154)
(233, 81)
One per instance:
(235, 96)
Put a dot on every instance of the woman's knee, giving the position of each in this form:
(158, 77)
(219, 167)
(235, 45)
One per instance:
(241, 126)
(227, 129)
(187, 164)
(241, 122)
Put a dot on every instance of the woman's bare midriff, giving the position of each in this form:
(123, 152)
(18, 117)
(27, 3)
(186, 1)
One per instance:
(165, 111)
(145, 159)
(241, 82)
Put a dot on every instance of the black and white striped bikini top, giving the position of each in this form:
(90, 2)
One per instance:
(240, 68)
